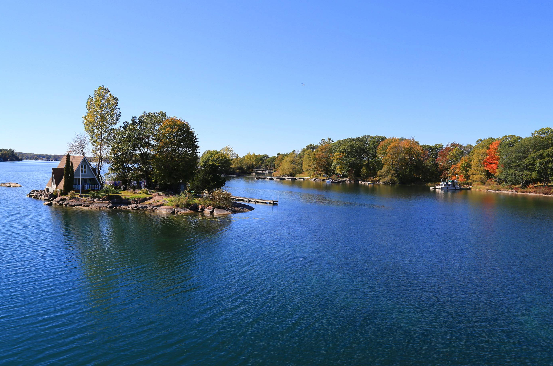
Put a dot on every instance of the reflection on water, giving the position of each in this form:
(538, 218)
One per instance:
(335, 274)
(133, 255)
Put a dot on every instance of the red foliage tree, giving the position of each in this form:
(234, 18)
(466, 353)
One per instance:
(492, 159)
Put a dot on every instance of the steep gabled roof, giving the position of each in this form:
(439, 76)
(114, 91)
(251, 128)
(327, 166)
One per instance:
(76, 160)
(57, 173)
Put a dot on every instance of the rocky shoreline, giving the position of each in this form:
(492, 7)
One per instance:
(512, 191)
(156, 204)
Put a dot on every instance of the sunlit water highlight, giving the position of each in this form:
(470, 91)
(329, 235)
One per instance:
(333, 275)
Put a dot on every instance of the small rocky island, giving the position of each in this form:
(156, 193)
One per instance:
(157, 202)
(10, 184)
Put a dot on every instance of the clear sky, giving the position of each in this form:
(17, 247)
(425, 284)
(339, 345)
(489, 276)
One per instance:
(274, 76)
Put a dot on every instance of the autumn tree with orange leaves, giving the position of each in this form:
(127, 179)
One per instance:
(491, 162)
(448, 157)
(478, 172)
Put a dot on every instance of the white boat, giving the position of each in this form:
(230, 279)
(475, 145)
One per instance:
(449, 185)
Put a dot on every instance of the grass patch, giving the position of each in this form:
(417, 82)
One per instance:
(131, 195)
(218, 199)
(183, 200)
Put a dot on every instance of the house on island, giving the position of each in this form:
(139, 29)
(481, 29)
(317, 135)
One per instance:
(85, 178)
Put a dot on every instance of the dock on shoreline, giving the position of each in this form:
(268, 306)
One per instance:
(254, 200)
(282, 178)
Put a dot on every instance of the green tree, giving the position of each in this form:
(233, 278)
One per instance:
(322, 159)
(249, 162)
(541, 157)
(288, 164)
(145, 129)
(306, 159)
(505, 149)
(210, 174)
(68, 175)
(176, 154)
(523, 161)
(102, 115)
(123, 157)
(402, 163)
(431, 171)
(357, 157)
(270, 162)
(372, 164)
(386, 173)
(8, 155)
(308, 163)
(515, 168)
(347, 158)
(228, 151)
(132, 149)
(542, 163)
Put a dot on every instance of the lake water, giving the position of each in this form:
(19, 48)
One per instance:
(334, 275)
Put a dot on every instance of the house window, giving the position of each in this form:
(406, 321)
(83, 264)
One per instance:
(83, 168)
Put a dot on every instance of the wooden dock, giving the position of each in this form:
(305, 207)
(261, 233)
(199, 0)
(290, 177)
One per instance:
(254, 200)
(283, 178)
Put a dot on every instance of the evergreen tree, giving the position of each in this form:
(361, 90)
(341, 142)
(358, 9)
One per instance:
(68, 175)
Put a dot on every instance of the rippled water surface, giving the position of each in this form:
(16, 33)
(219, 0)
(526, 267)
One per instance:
(334, 275)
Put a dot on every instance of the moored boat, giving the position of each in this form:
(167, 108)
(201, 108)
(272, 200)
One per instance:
(449, 185)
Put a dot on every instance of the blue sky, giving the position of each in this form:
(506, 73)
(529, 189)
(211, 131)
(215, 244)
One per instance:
(437, 71)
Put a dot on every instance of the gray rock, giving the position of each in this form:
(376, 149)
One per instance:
(166, 210)
(99, 205)
(220, 212)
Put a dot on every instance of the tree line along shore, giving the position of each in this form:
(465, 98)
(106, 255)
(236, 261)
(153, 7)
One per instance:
(510, 162)
(155, 151)
(8, 155)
